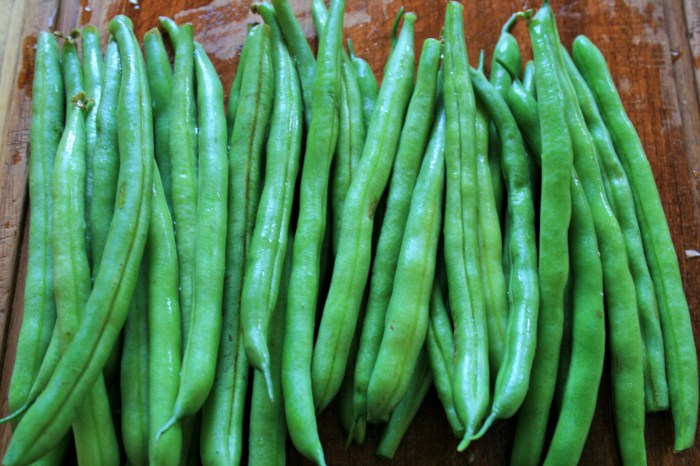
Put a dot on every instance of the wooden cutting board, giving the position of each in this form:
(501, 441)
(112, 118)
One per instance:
(654, 57)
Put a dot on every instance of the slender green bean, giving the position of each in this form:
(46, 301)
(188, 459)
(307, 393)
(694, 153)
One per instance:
(222, 424)
(268, 245)
(304, 280)
(38, 320)
(471, 382)
(555, 213)
(367, 82)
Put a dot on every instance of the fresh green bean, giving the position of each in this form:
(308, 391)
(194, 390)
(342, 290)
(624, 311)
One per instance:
(555, 213)
(95, 438)
(134, 376)
(268, 245)
(235, 93)
(471, 382)
(48, 419)
(201, 345)
(311, 226)
(621, 199)
(93, 72)
(351, 268)
(164, 329)
(506, 59)
(38, 320)
(268, 430)
(160, 75)
(522, 289)
(300, 51)
(681, 355)
(580, 391)
(222, 424)
(414, 137)
(367, 82)
(529, 77)
(182, 148)
(72, 69)
(406, 320)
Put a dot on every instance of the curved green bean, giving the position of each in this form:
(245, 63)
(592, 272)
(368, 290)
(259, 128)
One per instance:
(367, 82)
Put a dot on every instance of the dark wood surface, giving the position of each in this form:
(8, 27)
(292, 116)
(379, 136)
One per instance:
(652, 46)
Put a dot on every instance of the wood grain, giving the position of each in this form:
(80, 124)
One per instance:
(653, 49)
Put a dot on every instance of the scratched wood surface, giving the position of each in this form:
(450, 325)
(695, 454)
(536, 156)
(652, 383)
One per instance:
(653, 48)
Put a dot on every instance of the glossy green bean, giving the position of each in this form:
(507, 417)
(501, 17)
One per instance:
(621, 199)
(222, 424)
(164, 329)
(555, 213)
(351, 268)
(471, 382)
(406, 320)
(95, 438)
(513, 377)
(72, 69)
(529, 77)
(268, 245)
(681, 354)
(311, 226)
(93, 72)
(412, 144)
(235, 93)
(160, 75)
(38, 320)
(48, 419)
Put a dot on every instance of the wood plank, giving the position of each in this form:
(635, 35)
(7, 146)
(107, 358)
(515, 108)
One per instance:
(652, 47)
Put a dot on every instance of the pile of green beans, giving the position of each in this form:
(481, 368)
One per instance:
(488, 237)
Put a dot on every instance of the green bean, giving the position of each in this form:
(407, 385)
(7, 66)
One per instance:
(49, 418)
(406, 410)
(300, 51)
(506, 59)
(367, 82)
(182, 148)
(163, 329)
(311, 226)
(555, 213)
(681, 355)
(406, 320)
(95, 438)
(160, 75)
(351, 268)
(268, 431)
(39, 308)
(93, 72)
(522, 289)
(356, 430)
(222, 423)
(622, 200)
(268, 245)
(235, 93)
(490, 242)
(441, 350)
(412, 144)
(134, 376)
(580, 391)
(471, 382)
(201, 345)
(394, 35)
